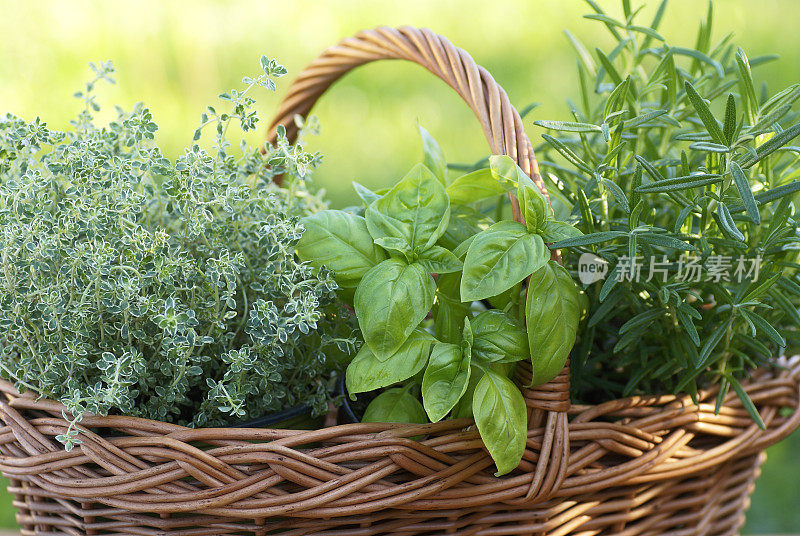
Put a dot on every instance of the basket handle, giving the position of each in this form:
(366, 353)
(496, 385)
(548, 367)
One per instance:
(504, 131)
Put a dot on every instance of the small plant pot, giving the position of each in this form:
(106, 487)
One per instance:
(352, 411)
(297, 417)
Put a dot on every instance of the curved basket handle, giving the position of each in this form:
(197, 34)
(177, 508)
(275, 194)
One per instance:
(502, 125)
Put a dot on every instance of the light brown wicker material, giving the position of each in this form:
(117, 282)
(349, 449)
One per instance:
(643, 465)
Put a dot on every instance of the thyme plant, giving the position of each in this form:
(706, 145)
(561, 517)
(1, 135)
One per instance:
(168, 290)
(679, 169)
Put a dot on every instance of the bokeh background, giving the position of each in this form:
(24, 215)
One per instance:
(178, 55)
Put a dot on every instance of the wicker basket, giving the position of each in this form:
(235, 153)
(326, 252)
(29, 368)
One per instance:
(642, 465)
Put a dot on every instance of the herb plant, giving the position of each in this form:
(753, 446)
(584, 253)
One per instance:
(675, 159)
(134, 285)
(436, 285)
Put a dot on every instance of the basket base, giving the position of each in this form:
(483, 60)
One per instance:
(710, 504)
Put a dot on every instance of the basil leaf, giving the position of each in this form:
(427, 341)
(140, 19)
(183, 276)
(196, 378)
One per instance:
(433, 157)
(391, 300)
(552, 313)
(499, 258)
(555, 231)
(445, 380)
(467, 337)
(395, 405)
(501, 418)
(448, 310)
(502, 300)
(366, 372)
(497, 337)
(397, 245)
(416, 209)
(366, 195)
(465, 222)
(533, 205)
(508, 173)
(463, 408)
(475, 186)
(438, 260)
(341, 242)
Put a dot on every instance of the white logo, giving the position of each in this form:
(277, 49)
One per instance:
(591, 268)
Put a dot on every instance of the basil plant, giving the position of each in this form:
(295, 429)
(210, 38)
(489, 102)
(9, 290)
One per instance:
(438, 288)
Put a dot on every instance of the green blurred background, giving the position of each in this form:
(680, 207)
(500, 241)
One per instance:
(176, 56)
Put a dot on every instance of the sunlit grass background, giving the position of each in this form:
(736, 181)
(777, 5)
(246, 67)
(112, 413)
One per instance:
(176, 56)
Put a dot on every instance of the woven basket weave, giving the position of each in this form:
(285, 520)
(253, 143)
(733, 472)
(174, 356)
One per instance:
(642, 465)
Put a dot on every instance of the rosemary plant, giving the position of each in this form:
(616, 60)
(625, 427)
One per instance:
(678, 168)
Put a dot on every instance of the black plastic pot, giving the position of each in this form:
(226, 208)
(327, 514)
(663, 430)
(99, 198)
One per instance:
(299, 417)
(351, 411)
(288, 418)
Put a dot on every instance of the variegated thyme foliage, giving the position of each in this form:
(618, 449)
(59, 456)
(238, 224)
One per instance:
(131, 284)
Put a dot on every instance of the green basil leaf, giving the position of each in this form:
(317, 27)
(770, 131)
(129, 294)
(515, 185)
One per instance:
(341, 242)
(502, 420)
(502, 300)
(391, 300)
(497, 337)
(499, 258)
(433, 157)
(467, 337)
(395, 405)
(366, 372)
(475, 186)
(397, 245)
(508, 173)
(552, 312)
(448, 310)
(445, 380)
(366, 195)
(463, 408)
(534, 207)
(438, 260)
(465, 222)
(417, 210)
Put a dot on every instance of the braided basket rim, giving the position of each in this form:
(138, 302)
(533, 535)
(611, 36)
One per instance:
(372, 466)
